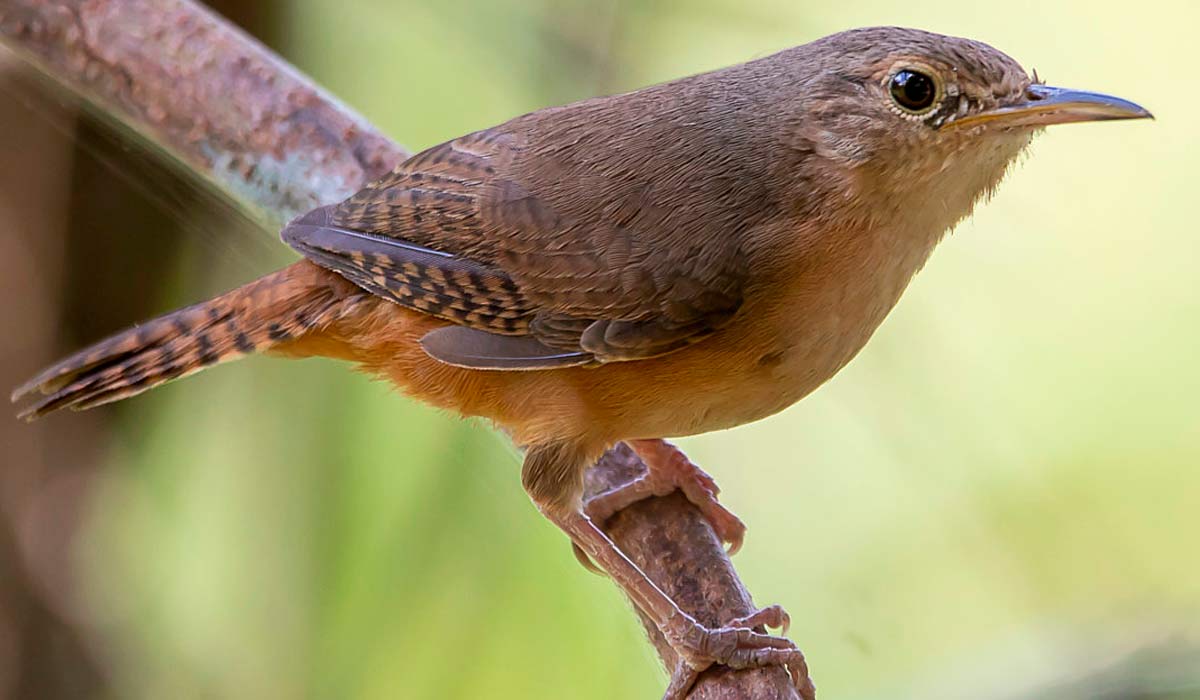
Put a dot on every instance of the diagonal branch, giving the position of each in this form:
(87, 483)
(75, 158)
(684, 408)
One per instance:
(216, 100)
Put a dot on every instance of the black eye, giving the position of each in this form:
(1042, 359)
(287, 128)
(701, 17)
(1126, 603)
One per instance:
(913, 91)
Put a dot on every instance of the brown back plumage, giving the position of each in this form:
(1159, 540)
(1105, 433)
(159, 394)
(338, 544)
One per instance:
(615, 248)
(278, 308)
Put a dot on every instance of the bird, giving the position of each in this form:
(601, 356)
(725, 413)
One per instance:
(683, 258)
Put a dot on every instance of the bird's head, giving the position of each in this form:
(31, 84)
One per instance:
(924, 119)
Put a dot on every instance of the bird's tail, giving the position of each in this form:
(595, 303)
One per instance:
(261, 315)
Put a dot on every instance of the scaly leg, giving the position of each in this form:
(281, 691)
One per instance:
(698, 646)
(668, 469)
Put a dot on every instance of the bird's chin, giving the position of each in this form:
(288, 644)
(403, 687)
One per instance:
(979, 161)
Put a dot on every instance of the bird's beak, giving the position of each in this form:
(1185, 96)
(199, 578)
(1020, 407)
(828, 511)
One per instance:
(1044, 105)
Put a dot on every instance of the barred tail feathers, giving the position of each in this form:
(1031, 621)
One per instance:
(272, 310)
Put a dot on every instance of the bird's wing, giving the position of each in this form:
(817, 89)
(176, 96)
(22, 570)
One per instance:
(534, 273)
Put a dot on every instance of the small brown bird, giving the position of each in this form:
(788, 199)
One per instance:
(684, 258)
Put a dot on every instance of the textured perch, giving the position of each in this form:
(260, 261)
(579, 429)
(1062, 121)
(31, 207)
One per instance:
(218, 101)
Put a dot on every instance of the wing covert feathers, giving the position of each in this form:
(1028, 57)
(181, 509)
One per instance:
(471, 232)
(434, 282)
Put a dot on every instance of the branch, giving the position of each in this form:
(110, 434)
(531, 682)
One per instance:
(218, 101)
(211, 96)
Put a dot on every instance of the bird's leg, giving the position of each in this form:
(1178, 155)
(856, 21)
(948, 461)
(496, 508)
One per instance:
(668, 469)
(698, 647)
(552, 475)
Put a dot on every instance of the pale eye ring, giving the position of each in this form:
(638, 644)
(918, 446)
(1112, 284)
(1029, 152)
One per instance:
(913, 91)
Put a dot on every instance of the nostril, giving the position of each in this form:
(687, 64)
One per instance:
(1034, 93)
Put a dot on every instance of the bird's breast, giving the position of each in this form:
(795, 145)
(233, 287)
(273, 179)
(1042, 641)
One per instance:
(791, 336)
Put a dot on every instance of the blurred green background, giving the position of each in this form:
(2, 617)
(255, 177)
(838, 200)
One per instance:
(997, 498)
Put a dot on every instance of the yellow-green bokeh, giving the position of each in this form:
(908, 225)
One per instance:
(999, 491)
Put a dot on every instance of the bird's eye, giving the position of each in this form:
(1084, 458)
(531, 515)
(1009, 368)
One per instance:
(913, 91)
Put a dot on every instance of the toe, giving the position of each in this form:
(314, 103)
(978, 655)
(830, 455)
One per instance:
(682, 680)
(728, 526)
(773, 616)
(737, 647)
(582, 557)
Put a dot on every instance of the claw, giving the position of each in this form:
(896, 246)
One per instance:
(586, 561)
(772, 616)
(682, 680)
(697, 647)
(735, 646)
(668, 469)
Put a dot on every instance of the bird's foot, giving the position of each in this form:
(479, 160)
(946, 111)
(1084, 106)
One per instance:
(736, 645)
(668, 469)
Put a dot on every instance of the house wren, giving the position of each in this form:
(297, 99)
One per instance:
(683, 258)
